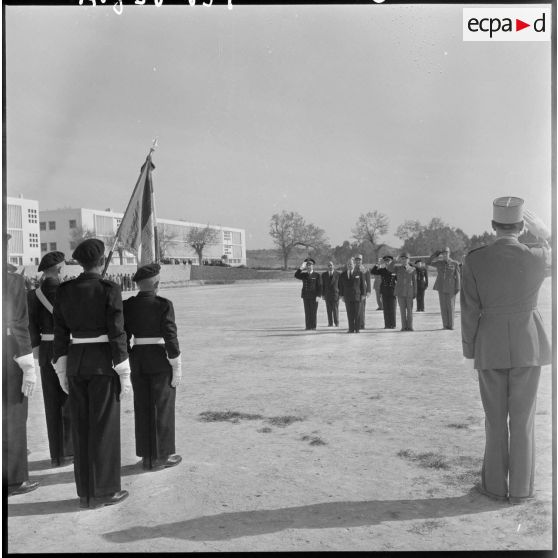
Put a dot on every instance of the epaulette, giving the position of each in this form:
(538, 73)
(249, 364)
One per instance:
(162, 298)
(476, 249)
(108, 282)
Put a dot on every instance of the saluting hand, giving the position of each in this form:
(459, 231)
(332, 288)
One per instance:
(535, 225)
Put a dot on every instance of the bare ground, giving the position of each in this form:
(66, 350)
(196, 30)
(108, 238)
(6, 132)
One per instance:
(300, 441)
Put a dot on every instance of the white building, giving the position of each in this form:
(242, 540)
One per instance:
(62, 229)
(22, 223)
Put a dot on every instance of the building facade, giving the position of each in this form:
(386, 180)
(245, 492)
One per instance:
(63, 229)
(22, 223)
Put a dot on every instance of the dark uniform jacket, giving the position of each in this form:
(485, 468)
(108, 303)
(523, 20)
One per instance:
(389, 280)
(41, 320)
(149, 315)
(353, 288)
(501, 326)
(330, 285)
(15, 313)
(422, 278)
(89, 306)
(311, 283)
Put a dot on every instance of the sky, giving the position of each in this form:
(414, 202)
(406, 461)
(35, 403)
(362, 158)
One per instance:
(329, 111)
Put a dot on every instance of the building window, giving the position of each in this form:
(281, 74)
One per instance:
(52, 225)
(73, 224)
(32, 215)
(52, 246)
(33, 240)
(42, 225)
(227, 236)
(44, 247)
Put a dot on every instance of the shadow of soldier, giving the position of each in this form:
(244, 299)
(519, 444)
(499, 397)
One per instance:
(326, 515)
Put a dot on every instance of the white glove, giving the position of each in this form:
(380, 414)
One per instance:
(535, 225)
(27, 364)
(176, 364)
(60, 368)
(123, 370)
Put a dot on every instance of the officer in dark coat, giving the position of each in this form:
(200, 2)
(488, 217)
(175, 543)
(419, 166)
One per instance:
(422, 283)
(387, 290)
(91, 360)
(41, 330)
(330, 293)
(352, 288)
(311, 291)
(156, 369)
(18, 382)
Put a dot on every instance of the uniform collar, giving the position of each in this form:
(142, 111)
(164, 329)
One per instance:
(507, 240)
(146, 294)
(89, 275)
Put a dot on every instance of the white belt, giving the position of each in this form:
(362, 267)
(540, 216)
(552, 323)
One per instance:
(149, 341)
(47, 336)
(80, 340)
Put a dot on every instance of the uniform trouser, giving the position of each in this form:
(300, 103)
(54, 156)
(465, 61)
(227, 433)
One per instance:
(362, 312)
(154, 404)
(406, 310)
(95, 423)
(14, 421)
(57, 412)
(353, 311)
(310, 312)
(420, 300)
(447, 307)
(509, 455)
(389, 303)
(332, 309)
(379, 299)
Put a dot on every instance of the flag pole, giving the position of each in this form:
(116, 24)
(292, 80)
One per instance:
(155, 229)
(117, 237)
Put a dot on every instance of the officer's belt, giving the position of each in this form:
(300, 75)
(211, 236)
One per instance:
(47, 336)
(100, 339)
(498, 311)
(149, 341)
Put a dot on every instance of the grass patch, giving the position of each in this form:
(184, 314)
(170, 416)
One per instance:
(265, 430)
(458, 425)
(429, 460)
(284, 420)
(227, 416)
(314, 440)
(426, 527)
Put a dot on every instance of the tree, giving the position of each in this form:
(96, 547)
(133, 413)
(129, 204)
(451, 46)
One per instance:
(369, 228)
(289, 230)
(198, 238)
(165, 238)
(408, 229)
(478, 240)
(435, 236)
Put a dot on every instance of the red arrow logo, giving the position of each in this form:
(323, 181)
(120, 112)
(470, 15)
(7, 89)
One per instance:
(519, 25)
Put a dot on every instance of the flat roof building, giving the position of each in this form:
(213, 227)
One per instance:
(22, 223)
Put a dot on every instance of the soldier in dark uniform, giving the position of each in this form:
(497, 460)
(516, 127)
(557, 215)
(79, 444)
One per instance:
(156, 369)
(448, 283)
(387, 290)
(18, 382)
(352, 288)
(311, 291)
(359, 266)
(330, 293)
(41, 329)
(422, 283)
(91, 360)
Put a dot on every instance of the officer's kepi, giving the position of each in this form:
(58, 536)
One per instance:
(147, 272)
(507, 210)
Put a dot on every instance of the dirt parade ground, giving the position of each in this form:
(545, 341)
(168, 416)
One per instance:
(297, 440)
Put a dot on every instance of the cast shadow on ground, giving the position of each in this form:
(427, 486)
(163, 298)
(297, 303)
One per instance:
(327, 515)
(43, 508)
(40, 465)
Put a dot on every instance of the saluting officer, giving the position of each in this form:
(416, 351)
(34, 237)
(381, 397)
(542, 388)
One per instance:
(41, 329)
(448, 283)
(311, 291)
(387, 290)
(503, 332)
(156, 369)
(18, 382)
(91, 360)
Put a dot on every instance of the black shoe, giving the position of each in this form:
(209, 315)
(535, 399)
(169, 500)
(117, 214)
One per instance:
(23, 488)
(83, 502)
(109, 500)
(160, 464)
(410, 329)
(62, 461)
(520, 500)
(479, 488)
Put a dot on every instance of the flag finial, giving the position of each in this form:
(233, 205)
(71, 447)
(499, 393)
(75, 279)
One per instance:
(154, 145)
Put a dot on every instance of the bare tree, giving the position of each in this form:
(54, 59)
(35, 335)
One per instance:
(408, 229)
(198, 238)
(166, 238)
(79, 234)
(289, 230)
(370, 227)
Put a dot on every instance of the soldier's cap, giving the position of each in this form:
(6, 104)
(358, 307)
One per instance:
(146, 272)
(50, 259)
(89, 251)
(507, 210)
(358, 257)
(404, 255)
(387, 258)
(418, 261)
(310, 260)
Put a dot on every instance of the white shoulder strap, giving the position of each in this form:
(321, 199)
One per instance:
(43, 299)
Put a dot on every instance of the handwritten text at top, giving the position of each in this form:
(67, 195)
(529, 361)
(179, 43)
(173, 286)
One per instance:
(118, 6)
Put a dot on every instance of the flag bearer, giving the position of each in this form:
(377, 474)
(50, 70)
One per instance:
(41, 329)
(92, 364)
(156, 369)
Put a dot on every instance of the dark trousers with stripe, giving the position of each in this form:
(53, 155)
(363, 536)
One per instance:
(95, 423)
(389, 306)
(14, 421)
(420, 300)
(310, 312)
